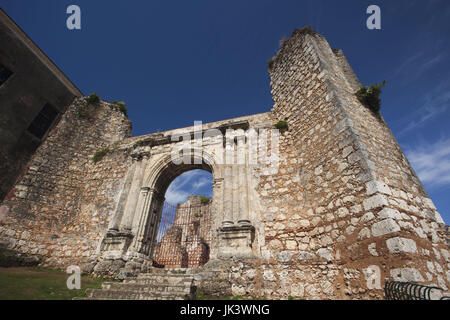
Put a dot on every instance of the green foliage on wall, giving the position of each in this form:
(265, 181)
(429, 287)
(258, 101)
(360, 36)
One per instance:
(122, 107)
(281, 125)
(204, 200)
(370, 96)
(93, 98)
(100, 154)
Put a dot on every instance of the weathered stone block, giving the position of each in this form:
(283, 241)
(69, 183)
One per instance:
(406, 274)
(325, 254)
(306, 256)
(389, 213)
(398, 244)
(284, 256)
(377, 187)
(386, 226)
(375, 201)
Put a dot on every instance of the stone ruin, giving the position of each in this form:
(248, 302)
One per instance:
(343, 211)
(185, 241)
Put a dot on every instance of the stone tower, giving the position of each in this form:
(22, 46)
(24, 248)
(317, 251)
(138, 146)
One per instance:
(343, 211)
(351, 188)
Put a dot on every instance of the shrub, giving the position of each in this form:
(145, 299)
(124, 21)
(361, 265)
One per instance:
(282, 125)
(93, 98)
(100, 154)
(204, 200)
(121, 106)
(369, 96)
(270, 63)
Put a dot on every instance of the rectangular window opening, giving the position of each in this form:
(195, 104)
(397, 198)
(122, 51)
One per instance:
(5, 73)
(43, 121)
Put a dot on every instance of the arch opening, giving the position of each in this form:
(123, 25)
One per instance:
(181, 232)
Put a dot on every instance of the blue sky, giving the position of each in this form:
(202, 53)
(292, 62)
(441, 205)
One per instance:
(174, 62)
(194, 182)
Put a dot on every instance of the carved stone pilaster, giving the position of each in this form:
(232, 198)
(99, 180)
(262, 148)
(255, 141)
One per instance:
(236, 241)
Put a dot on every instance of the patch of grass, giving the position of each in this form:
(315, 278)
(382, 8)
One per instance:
(93, 98)
(122, 107)
(100, 154)
(32, 283)
(370, 96)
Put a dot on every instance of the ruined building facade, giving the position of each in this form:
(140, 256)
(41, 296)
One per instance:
(34, 94)
(343, 203)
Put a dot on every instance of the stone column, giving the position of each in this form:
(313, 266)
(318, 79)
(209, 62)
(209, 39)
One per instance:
(153, 225)
(235, 240)
(236, 195)
(242, 178)
(145, 200)
(133, 196)
(228, 183)
(118, 215)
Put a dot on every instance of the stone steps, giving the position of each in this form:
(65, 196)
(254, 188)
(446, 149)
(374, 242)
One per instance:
(159, 284)
(133, 295)
(145, 288)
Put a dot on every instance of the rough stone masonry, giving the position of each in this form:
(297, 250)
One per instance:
(344, 198)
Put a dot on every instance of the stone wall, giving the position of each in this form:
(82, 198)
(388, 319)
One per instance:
(343, 201)
(345, 197)
(60, 207)
(34, 82)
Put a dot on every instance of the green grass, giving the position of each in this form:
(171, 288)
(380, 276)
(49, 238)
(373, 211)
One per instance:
(32, 283)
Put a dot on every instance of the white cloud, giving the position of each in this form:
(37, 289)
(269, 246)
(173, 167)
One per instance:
(200, 183)
(187, 184)
(176, 196)
(431, 162)
(434, 104)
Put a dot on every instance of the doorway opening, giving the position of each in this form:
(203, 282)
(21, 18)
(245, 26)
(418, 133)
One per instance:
(184, 234)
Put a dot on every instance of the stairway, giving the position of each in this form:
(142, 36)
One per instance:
(159, 284)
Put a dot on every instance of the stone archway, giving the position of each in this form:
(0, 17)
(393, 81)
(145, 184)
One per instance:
(133, 227)
(160, 176)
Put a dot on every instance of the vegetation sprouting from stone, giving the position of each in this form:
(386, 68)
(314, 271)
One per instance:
(121, 106)
(204, 200)
(270, 63)
(282, 125)
(93, 98)
(370, 96)
(100, 154)
(140, 143)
